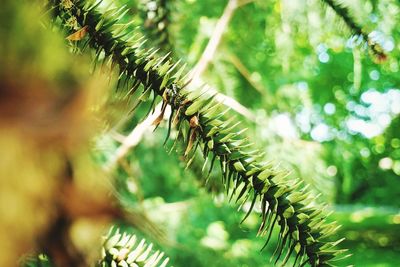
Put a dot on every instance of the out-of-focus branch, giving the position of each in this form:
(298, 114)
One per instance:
(215, 39)
(219, 30)
(344, 13)
(209, 53)
(133, 138)
(236, 106)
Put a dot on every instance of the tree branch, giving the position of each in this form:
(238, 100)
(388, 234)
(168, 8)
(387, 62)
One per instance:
(200, 123)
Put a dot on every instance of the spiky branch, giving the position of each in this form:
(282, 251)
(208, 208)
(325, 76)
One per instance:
(343, 12)
(201, 124)
(118, 249)
(126, 250)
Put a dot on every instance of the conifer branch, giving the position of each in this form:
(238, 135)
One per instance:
(127, 251)
(343, 12)
(200, 122)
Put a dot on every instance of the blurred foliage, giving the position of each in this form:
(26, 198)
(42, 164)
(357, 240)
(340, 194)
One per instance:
(46, 97)
(322, 106)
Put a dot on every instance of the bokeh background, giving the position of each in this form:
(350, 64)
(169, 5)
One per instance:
(313, 97)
